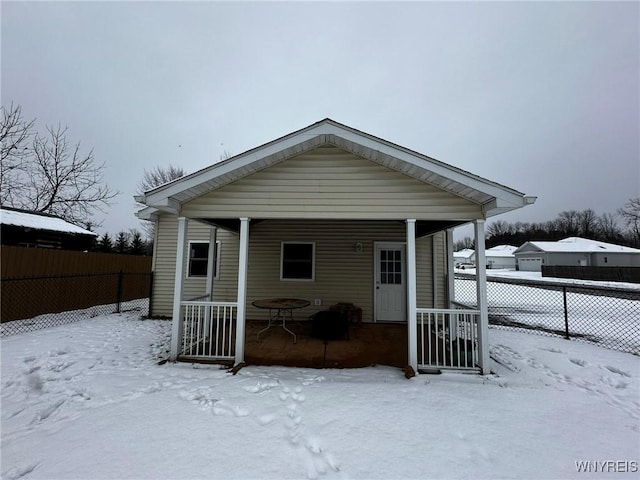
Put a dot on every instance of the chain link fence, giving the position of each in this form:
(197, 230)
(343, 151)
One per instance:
(607, 316)
(29, 304)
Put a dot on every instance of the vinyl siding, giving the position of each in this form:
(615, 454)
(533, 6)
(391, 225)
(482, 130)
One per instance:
(330, 183)
(225, 287)
(341, 273)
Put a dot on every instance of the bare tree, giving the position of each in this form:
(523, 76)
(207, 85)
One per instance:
(587, 223)
(630, 214)
(466, 242)
(154, 178)
(567, 223)
(608, 227)
(499, 228)
(15, 136)
(63, 181)
(45, 173)
(158, 176)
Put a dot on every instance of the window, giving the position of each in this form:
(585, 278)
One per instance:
(198, 259)
(606, 260)
(391, 267)
(297, 261)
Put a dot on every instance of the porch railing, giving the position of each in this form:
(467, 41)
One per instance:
(448, 338)
(208, 330)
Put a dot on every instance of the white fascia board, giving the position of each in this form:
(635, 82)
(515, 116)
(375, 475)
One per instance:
(244, 160)
(328, 131)
(148, 213)
(508, 197)
(503, 205)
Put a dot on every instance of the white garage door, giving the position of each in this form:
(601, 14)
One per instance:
(533, 264)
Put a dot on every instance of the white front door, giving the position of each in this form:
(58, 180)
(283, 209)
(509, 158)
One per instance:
(390, 283)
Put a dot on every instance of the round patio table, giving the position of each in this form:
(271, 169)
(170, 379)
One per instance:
(280, 309)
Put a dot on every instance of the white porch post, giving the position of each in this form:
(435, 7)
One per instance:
(451, 288)
(211, 265)
(481, 292)
(242, 289)
(211, 262)
(434, 272)
(412, 323)
(176, 328)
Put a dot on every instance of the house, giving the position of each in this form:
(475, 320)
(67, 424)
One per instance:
(501, 256)
(24, 228)
(464, 257)
(575, 251)
(327, 214)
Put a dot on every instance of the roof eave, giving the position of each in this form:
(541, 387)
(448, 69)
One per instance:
(494, 198)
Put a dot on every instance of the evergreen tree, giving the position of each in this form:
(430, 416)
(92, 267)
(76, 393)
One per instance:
(105, 244)
(122, 243)
(137, 246)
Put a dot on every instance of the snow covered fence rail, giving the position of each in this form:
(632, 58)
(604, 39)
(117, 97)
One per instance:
(606, 315)
(33, 303)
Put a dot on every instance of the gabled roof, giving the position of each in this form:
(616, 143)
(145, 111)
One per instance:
(39, 221)
(575, 245)
(464, 253)
(494, 197)
(500, 251)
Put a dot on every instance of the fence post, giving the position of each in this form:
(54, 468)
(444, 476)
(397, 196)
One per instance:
(566, 313)
(119, 293)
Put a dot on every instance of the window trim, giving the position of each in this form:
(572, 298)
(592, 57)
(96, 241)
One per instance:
(313, 261)
(217, 260)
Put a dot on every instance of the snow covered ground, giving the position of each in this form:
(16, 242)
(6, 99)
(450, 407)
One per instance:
(89, 401)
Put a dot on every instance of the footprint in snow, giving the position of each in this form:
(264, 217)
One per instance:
(19, 472)
(47, 412)
(222, 408)
(266, 419)
(618, 371)
(552, 350)
(261, 386)
(579, 362)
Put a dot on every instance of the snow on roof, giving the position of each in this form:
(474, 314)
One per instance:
(501, 251)
(581, 245)
(464, 253)
(40, 222)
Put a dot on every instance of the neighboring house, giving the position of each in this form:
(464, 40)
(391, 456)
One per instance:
(329, 214)
(23, 228)
(575, 251)
(464, 257)
(501, 256)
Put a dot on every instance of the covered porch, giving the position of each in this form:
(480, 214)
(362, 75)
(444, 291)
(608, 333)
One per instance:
(328, 214)
(445, 339)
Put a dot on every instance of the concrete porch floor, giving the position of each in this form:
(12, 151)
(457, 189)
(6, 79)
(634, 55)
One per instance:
(369, 344)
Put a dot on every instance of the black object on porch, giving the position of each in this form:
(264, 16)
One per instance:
(329, 325)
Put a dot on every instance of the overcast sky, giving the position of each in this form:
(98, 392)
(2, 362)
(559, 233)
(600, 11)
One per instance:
(541, 97)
